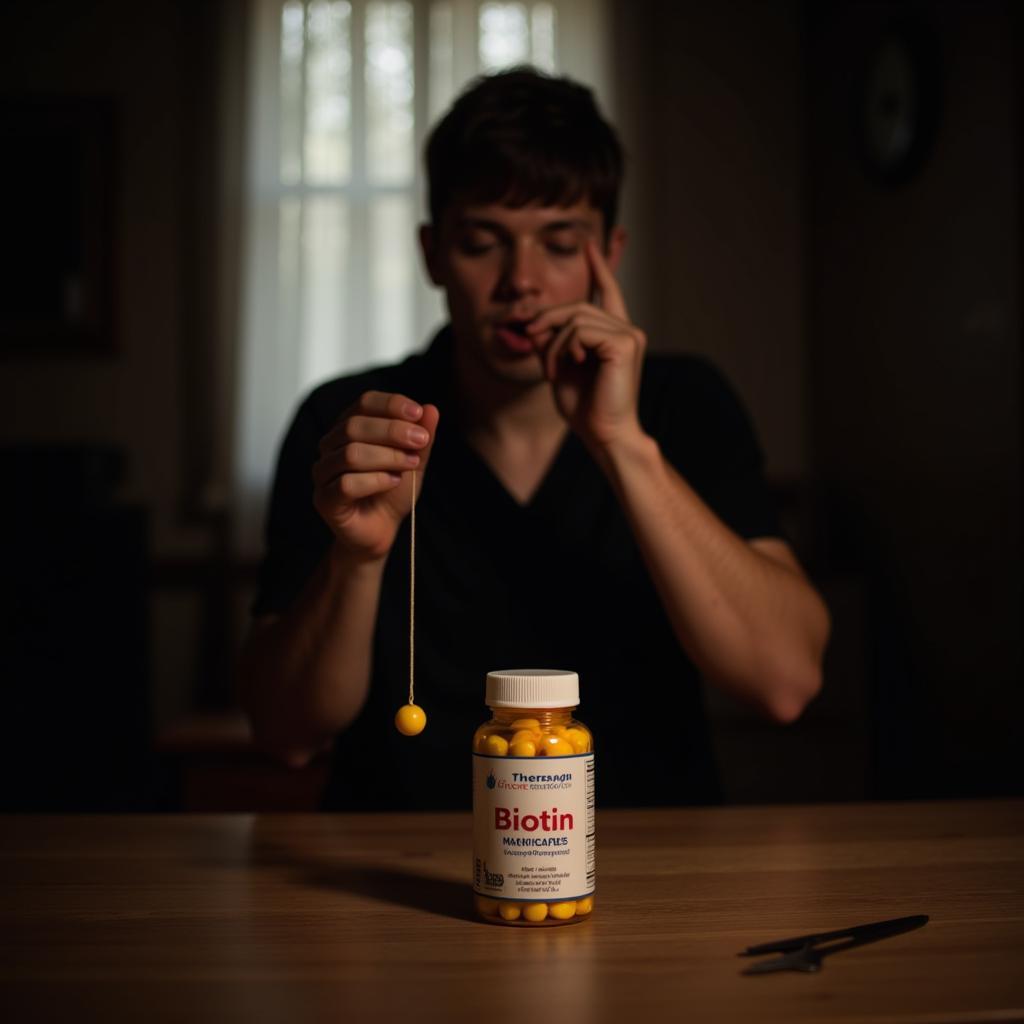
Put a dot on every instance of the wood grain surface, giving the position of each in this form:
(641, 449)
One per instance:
(353, 918)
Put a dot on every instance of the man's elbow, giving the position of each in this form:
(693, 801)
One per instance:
(267, 735)
(793, 693)
(798, 682)
(288, 754)
(296, 759)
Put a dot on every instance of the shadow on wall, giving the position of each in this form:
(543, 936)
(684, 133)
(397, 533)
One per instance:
(829, 753)
(878, 729)
(897, 716)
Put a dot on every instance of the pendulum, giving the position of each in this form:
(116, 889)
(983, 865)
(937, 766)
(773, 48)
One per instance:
(410, 720)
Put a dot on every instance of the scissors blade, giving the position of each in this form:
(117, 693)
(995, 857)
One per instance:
(893, 926)
(809, 956)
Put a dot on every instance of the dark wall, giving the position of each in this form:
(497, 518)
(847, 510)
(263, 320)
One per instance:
(100, 650)
(914, 345)
(152, 391)
(136, 59)
(709, 108)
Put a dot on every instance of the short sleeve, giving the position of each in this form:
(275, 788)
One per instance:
(704, 431)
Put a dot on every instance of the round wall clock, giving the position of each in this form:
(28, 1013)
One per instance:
(899, 103)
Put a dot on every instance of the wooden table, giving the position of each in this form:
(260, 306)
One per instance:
(366, 918)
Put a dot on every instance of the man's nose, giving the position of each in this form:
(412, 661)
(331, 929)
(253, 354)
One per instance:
(521, 272)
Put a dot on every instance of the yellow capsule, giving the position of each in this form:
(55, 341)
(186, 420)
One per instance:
(563, 911)
(579, 739)
(480, 738)
(510, 911)
(410, 720)
(555, 746)
(535, 912)
(561, 730)
(496, 746)
(585, 905)
(526, 723)
(524, 748)
(525, 734)
(486, 905)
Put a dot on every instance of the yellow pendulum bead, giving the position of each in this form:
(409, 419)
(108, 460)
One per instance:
(410, 720)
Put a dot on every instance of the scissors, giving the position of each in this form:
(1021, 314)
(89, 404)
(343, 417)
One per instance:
(805, 952)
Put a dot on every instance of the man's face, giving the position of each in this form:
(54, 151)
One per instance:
(501, 266)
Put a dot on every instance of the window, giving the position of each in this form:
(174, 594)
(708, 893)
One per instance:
(342, 95)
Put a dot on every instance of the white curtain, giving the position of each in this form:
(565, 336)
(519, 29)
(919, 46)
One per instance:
(341, 95)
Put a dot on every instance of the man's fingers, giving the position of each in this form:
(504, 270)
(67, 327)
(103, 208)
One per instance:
(375, 430)
(371, 405)
(554, 319)
(359, 457)
(354, 486)
(431, 417)
(389, 405)
(575, 340)
(428, 422)
(611, 295)
(366, 456)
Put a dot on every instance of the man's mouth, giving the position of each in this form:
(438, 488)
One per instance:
(513, 337)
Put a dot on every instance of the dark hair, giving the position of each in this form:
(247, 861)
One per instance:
(521, 136)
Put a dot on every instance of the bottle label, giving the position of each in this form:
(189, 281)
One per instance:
(533, 827)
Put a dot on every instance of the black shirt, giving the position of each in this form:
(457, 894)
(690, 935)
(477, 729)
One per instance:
(555, 583)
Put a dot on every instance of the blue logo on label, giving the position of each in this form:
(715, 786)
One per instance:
(491, 783)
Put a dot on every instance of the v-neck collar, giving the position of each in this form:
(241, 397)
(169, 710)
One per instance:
(555, 472)
(453, 445)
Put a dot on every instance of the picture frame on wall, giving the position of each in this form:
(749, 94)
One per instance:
(57, 267)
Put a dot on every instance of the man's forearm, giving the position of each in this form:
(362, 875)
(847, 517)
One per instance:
(304, 676)
(752, 625)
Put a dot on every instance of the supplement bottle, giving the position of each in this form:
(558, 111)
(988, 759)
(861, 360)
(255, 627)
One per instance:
(533, 802)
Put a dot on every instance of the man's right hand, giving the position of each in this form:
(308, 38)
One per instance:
(362, 480)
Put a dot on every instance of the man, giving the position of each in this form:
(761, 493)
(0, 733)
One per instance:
(580, 507)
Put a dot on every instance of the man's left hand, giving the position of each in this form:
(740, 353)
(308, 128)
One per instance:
(593, 357)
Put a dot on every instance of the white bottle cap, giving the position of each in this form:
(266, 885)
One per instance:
(532, 688)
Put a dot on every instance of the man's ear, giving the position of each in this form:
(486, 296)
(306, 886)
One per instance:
(615, 247)
(428, 247)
